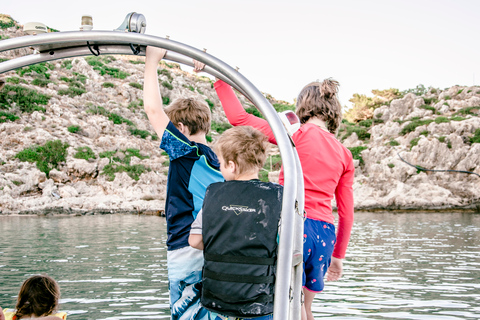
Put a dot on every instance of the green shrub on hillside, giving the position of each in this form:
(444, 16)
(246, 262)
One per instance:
(137, 62)
(414, 142)
(16, 80)
(98, 110)
(98, 64)
(211, 105)
(468, 111)
(84, 153)
(27, 100)
(363, 106)
(476, 137)
(120, 162)
(419, 90)
(117, 119)
(166, 101)
(366, 123)
(136, 85)
(410, 127)
(361, 132)
(427, 107)
(220, 127)
(67, 64)
(36, 69)
(140, 133)
(167, 85)
(73, 129)
(108, 85)
(4, 116)
(441, 120)
(393, 143)
(46, 157)
(6, 21)
(357, 153)
(75, 86)
(253, 110)
(430, 100)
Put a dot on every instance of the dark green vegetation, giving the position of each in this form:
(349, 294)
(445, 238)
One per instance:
(6, 21)
(136, 85)
(84, 153)
(120, 162)
(476, 137)
(361, 130)
(357, 153)
(166, 100)
(100, 64)
(108, 85)
(75, 86)
(167, 85)
(4, 116)
(220, 127)
(73, 129)
(211, 105)
(27, 100)
(46, 157)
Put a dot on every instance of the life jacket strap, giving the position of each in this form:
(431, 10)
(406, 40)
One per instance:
(239, 259)
(262, 299)
(240, 278)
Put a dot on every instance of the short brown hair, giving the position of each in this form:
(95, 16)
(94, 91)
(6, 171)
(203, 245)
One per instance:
(193, 113)
(38, 295)
(319, 99)
(245, 146)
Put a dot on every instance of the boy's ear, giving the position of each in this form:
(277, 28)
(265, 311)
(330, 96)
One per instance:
(231, 166)
(183, 128)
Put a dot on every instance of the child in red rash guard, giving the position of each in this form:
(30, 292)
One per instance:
(328, 170)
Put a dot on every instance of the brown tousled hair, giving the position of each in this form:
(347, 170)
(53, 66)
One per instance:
(193, 113)
(245, 146)
(38, 296)
(319, 99)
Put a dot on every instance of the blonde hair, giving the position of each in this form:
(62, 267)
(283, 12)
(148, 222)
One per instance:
(319, 99)
(193, 113)
(39, 296)
(245, 146)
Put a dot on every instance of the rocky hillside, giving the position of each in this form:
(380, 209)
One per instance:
(74, 139)
(439, 130)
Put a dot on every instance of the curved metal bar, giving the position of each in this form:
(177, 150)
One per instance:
(54, 41)
(107, 50)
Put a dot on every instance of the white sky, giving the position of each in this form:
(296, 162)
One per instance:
(282, 45)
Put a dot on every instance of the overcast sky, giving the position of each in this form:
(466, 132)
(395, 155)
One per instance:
(282, 45)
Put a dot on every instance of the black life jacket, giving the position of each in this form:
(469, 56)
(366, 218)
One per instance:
(239, 228)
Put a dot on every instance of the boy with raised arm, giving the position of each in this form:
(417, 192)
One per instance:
(193, 166)
(237, 230)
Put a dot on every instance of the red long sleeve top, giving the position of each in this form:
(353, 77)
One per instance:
(327, 167)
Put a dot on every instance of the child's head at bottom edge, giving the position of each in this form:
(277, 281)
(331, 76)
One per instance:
(38, 296)
(242, 152)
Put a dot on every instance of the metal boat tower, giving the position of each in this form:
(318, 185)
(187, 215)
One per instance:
(131, 41)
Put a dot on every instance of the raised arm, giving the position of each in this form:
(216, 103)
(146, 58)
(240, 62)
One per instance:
(236, 115)
(152, 98)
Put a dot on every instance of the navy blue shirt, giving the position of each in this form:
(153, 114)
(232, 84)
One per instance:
(193, 167)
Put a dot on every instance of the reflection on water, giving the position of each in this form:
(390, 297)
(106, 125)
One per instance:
(398, 266)
(108, 267)
(408, 266)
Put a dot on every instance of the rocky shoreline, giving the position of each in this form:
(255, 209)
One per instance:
(92, 110)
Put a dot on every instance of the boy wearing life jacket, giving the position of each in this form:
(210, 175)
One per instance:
(237, 230)
(193, 166)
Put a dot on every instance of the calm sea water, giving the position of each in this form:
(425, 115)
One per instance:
(399, 266)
